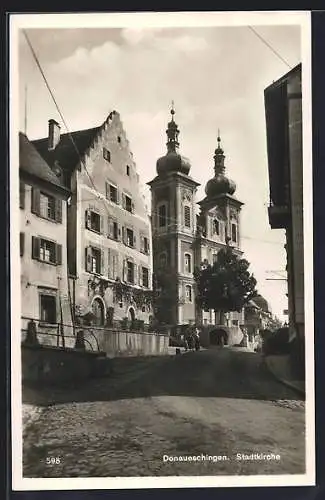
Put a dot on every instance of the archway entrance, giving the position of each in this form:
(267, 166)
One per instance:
(98, 311)
(131, 317)
(218, 337)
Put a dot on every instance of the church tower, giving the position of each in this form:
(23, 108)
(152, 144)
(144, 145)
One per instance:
(218, 225)
(173, 233)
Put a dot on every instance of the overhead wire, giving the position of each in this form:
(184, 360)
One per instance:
(270, 46)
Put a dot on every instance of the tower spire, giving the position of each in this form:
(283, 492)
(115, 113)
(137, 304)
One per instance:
(172, 133)
(219, 157)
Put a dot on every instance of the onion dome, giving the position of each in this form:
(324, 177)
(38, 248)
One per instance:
(220, 183)
(172, 161)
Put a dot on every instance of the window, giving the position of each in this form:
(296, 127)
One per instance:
(22, 243)
(128, 170)
(107, 155)
(130, 238)
(188, 293)
(128, 204)
(93, 221)
(214, 258)
(46, 251)
(118, 139)
(47, 308)
(146, 245)
(111, 193)
(46, 206)
(21, 194)
(235, 322)
(163, 260)
(187, 263)
(115, 230)
(234, 232)
(162, 216)
(216, 227)
(93, 260)
(145, 277)
(187, 216)
(130, 272)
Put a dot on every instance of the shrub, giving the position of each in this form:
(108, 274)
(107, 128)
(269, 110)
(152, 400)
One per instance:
(278, 342)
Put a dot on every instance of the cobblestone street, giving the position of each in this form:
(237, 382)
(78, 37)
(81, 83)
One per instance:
(217, 402)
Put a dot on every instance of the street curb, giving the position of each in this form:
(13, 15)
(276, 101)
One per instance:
(283, 381)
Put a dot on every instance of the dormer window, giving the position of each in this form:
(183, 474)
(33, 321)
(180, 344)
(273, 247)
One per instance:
(107, 155)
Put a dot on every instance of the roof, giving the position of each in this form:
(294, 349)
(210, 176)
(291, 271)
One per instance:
(65, 152)
(32, 163)
(294, 71)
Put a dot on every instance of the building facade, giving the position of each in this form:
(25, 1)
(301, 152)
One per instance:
(43, 232)
(283, 107)
(109, 233)
(184, 239)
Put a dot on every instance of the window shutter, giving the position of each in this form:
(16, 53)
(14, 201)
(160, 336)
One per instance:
(87, 219)
(140, 281)
(135, 274)
(35, 247)
(103, 269)
(123, 200)
(115, 270)
(22, 243)
(110, 228)
(109, 263)
(123, 235)
(35, 201)
(124, 271)
(118, 197)
(148, 249)
(132, 207)
(21, 194)
(58, 255)
(58, 210)
(134, 240)
(88, 254)
(101, 224)
(107, 190)
(141, 243)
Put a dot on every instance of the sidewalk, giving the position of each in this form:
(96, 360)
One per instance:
(279, 366)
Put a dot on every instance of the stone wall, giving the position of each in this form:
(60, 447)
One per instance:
(57, 365)
(125, 343)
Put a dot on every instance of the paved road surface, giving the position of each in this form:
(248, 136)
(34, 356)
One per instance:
(215, 402)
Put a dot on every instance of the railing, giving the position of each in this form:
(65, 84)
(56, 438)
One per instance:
(60, 331)
(65, 336)
(42, 330)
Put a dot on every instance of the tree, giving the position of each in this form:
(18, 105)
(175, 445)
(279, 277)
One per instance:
(225, 286)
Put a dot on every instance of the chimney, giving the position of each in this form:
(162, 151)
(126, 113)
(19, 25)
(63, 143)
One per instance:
(54, 135)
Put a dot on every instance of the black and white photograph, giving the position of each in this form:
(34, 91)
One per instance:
(161, 250)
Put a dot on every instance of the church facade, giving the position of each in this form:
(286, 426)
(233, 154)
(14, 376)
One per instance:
(187, 234)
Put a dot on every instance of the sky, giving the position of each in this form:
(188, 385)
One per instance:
(216, 77)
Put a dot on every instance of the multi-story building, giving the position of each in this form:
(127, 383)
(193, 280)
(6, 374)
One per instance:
(182, 239)
(109, 234)
(283, 107)
(43, 232)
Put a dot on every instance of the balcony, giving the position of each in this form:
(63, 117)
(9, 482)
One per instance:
(279, 216)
